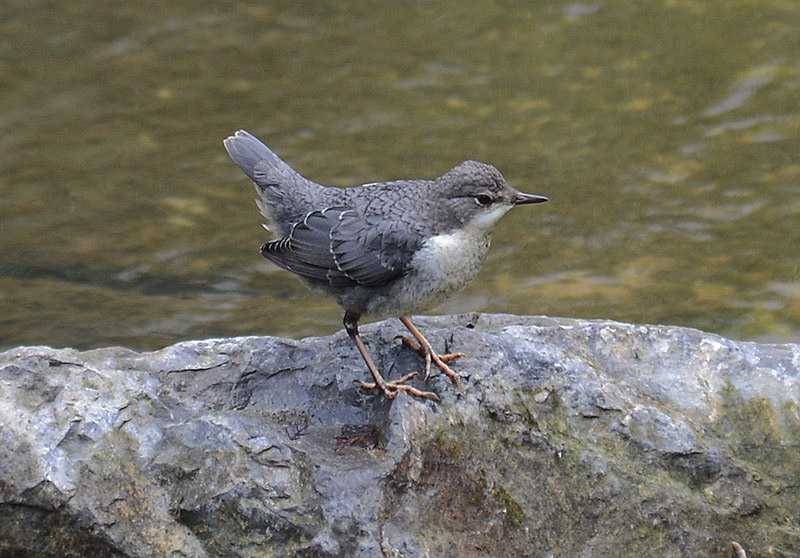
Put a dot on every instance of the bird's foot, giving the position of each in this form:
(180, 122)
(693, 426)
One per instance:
(426, 351)
(422, 347)
(391, 389)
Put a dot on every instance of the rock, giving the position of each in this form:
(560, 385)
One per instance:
(565, 438)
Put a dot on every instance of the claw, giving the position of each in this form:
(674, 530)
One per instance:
(391, 389)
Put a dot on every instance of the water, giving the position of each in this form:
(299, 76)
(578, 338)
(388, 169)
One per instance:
(665, 134)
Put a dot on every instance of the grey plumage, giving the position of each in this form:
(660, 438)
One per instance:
(388, 248)
(284, 195)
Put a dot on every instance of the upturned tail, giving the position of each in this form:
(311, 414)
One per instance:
(257, 160)
(284, 193)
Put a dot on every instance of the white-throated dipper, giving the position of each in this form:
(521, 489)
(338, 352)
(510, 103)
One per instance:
(384, 248)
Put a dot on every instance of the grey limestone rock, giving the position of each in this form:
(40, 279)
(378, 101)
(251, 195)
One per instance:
(565, 438)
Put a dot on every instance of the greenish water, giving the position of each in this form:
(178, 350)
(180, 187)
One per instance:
(667, 135)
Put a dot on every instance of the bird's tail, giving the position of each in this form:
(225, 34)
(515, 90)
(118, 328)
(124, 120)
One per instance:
(283, 192)
(258, 161)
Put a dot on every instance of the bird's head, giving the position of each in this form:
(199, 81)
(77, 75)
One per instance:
(477, 195)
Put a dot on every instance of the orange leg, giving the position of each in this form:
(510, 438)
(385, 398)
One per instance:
(423, 348)
(389, 389)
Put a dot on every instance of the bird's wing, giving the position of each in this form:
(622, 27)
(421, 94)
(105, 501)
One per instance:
(337, 247)
(372, 250)
(306, 249)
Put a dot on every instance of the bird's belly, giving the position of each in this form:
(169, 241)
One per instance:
(443, 265)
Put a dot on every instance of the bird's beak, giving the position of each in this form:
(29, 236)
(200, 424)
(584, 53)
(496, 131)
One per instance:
(523, 198)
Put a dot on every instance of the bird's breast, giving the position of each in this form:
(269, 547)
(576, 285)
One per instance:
(447, 263)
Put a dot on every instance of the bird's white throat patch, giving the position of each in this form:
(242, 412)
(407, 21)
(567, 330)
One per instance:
(486, 220)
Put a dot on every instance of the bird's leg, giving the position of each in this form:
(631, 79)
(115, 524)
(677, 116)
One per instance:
(423, 348)
(389, 389)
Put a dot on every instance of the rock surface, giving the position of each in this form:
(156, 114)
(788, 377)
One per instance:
(565, 438)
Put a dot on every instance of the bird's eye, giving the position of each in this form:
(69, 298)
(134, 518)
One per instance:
(484, 200)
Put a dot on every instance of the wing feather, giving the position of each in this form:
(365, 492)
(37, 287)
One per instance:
(337, 247)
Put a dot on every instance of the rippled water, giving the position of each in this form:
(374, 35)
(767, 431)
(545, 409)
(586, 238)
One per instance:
(665, 134)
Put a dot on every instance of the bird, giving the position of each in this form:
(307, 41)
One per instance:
(381, 249)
